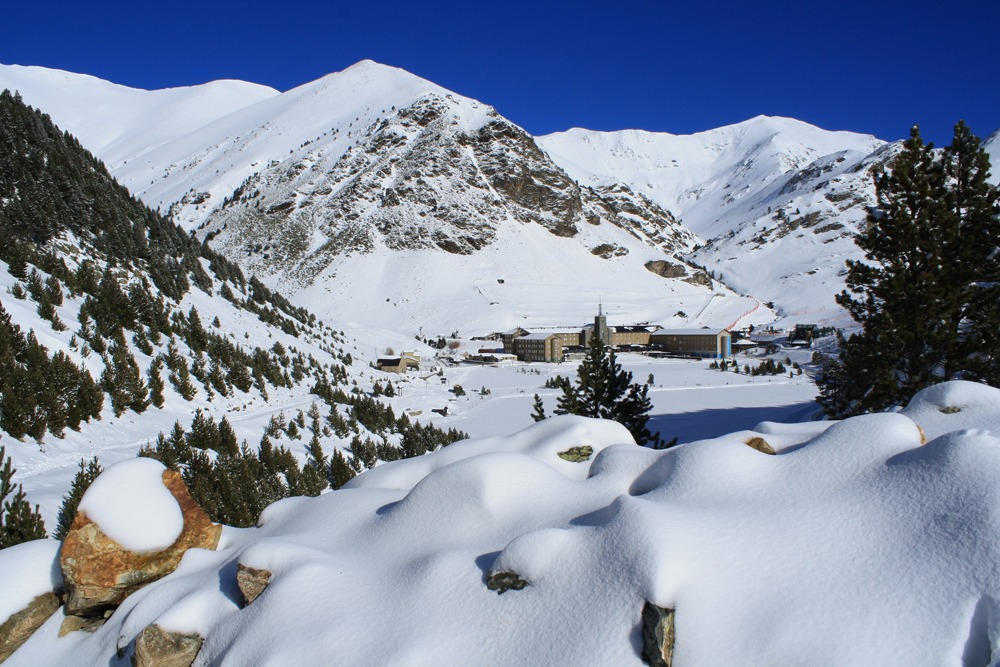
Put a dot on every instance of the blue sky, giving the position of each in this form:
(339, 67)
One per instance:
(872, 67)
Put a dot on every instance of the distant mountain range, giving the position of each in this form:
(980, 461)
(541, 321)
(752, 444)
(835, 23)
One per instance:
(380, 197)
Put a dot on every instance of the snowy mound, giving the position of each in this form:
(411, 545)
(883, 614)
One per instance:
(951, 406)
(544, 442)
(131, 505)
(856, 546)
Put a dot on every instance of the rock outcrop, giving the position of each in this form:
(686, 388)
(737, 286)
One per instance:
(98, 573)
(155, 647)
(657, 635)
(666, 269)
(19, 626)
(421, 178)
(252, 581)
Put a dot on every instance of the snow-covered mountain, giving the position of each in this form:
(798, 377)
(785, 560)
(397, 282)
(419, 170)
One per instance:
(703, 178)
(118, 123)
(775, 199)
(384, 198)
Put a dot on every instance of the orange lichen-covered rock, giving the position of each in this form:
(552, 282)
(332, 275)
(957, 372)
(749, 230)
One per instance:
(98, 573)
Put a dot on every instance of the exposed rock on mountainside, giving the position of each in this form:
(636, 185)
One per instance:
(419, 179)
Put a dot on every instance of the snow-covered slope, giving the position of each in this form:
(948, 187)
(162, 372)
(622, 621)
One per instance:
(854, 545)
(118, 123)
(702, 177)
(727, 184)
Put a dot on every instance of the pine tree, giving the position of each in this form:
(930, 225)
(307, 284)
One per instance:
(156, 382)
(227, 438)
(179, 376)
(538, 414)
(18, 523)
(67, 512)
(605, 391)
(204, 432)
(926, 294)
(976, 204)
(340, 470)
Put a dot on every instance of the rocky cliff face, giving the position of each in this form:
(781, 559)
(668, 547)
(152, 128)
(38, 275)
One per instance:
(422, 178)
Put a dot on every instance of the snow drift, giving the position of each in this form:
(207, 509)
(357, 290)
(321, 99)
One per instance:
(857, 545)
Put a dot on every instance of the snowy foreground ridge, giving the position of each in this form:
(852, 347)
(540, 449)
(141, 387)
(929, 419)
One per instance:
(853, 545)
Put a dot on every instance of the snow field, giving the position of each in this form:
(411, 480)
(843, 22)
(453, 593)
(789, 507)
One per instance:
(858, 545)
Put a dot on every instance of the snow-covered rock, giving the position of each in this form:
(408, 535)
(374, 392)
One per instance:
(133, 526)
(131, 506)
(30, 569)
(28, 597)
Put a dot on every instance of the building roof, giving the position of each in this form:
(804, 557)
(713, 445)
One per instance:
(629, 329)
(514, 331)
(556, 330)
(690, 332)
(390, 361)
(537, 336)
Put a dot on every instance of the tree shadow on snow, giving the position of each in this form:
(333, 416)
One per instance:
(715, 422)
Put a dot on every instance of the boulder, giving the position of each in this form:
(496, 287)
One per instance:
(155, 647)
(501, 582)
(77, 623)
(577, 454)
(657, 635)
(19, 626)
(251, 581)
(98, 573)
(760, 444)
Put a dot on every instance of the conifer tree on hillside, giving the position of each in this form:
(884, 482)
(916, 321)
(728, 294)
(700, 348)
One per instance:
(605, 391)
(340, 470)
(18, 522)
(927, 293)
(538, 409)
(87, 473)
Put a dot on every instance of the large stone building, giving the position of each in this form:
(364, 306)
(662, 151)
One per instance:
(712, 343)
(548, 344)
(539, 347)
(507, 337)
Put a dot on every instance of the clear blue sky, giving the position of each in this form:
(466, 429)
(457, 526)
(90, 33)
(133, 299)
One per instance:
(872, 67)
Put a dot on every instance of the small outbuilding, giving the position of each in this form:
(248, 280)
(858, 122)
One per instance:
(391, 365)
